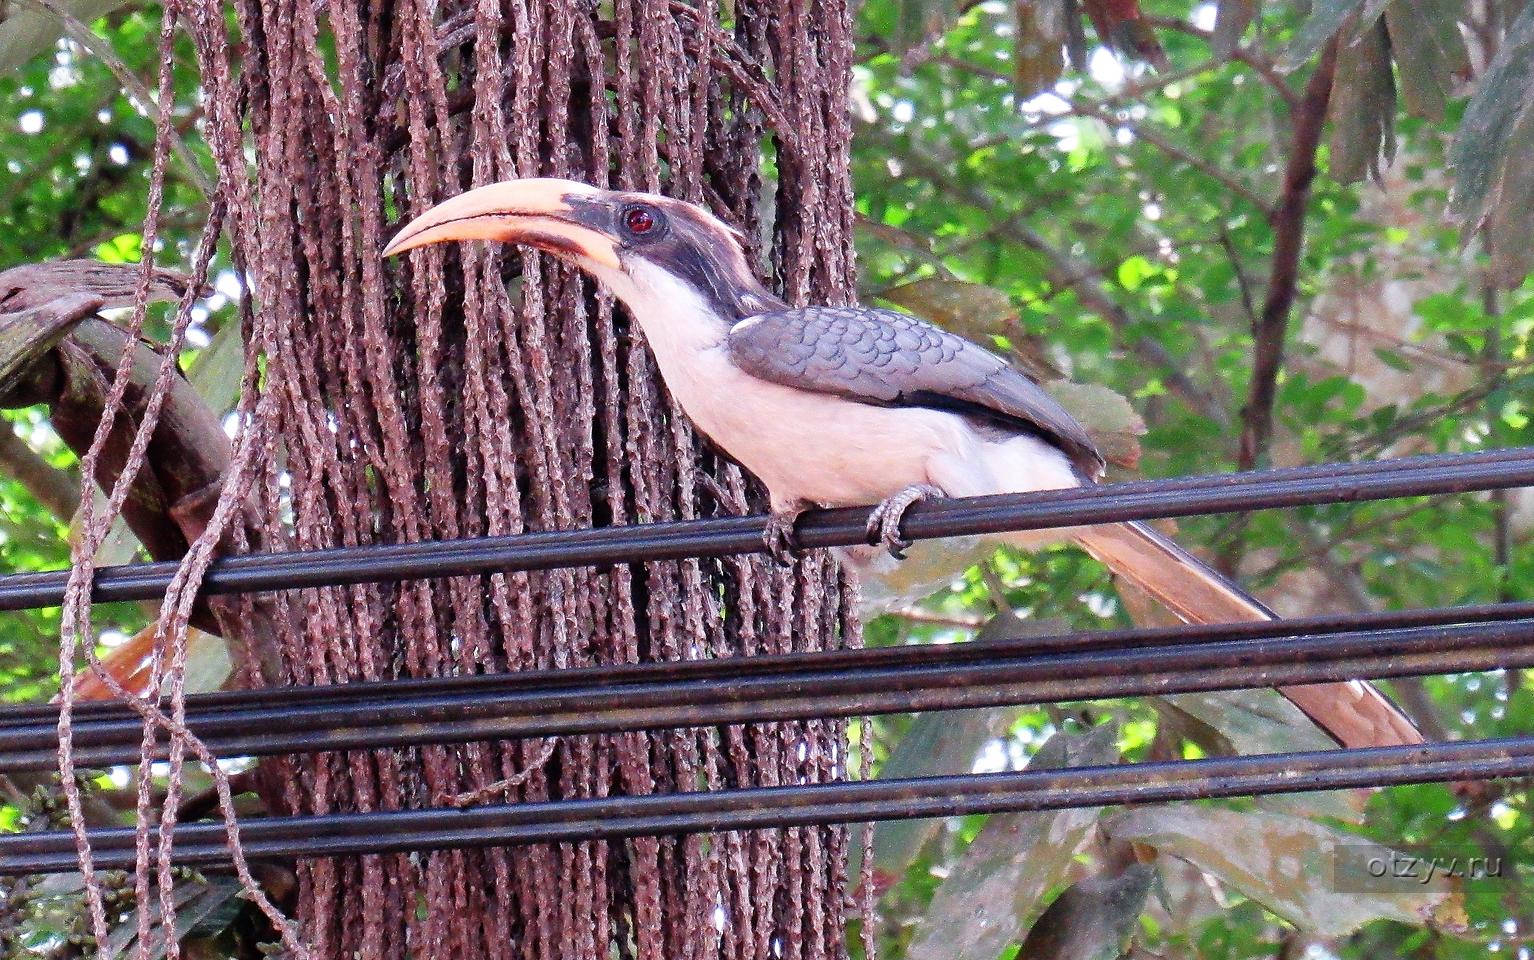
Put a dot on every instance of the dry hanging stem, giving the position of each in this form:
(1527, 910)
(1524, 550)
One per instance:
(485, 391)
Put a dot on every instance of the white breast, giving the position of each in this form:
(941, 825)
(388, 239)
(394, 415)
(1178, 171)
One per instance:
(813, 447)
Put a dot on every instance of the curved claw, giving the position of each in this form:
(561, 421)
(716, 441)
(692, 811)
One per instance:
(782, 543)
(885, 519)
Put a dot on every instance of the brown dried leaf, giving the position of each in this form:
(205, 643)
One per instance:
(1094, 918)
(1429, 52)
(1509, 237)
(975, 312)
(1363, 108)
(1112, 422)
(971, 310)
(1485, 147)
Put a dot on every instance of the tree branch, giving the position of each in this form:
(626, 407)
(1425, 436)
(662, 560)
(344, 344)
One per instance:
(1288, 245)
(53, 488)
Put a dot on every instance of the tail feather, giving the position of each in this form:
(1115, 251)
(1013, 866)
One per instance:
(1355, 713)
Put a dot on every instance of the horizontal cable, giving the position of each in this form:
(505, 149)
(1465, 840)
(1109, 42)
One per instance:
(775, 665)
(1223, 493)
(743, 690)
(611, 818)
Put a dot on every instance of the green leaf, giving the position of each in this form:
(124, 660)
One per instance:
(198, 903)
(219, 368)
(888, 584)
(31, 33)
(1363, 108)
(1288, 864)
(1393, 359)
(999, 884)
(1483, 147)
(936, 744)
(120, 545)
(1134, 271)
(1326, 18)
(208, 664)
(1248, 722)
(919, 21)
(1510, 226)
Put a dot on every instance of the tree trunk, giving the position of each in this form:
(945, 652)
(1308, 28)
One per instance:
(485, 391)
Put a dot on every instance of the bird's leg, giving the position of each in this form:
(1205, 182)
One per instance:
(884, 522)
(782, 542)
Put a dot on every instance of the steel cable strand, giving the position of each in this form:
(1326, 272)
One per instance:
(775, 807)
(739, 690)
(1221, 493)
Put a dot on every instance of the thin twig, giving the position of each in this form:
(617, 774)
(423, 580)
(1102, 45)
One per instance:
(1206, 167)
(500, 788)
(1250, 56)
(1243, 282)
(918, 615)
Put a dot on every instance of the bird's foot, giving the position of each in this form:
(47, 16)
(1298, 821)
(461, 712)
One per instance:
(781, 540)
(717, 491)
(885, 520)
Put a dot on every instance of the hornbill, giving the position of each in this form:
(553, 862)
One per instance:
(835, 406)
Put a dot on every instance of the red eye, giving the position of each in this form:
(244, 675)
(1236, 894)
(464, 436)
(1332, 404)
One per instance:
(638, 220)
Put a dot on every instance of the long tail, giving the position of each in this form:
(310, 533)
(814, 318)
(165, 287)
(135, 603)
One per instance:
(1354, 713)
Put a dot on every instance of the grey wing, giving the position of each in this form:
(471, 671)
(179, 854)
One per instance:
(891, 359)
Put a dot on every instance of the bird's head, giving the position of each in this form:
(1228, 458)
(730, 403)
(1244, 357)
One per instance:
(642, 246)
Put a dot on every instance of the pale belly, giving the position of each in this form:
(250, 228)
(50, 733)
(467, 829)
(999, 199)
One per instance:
(814, 447)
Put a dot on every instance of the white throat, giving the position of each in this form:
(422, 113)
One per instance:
(676, 320)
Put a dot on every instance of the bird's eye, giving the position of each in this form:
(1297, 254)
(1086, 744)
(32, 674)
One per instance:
(639, 220)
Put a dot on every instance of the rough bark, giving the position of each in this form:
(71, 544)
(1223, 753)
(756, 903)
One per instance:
(428, 400)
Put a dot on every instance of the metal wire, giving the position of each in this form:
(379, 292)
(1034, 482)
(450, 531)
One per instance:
(392, 691)
(1223, 493)
(646, 696)
(854, 802)
(891, 680)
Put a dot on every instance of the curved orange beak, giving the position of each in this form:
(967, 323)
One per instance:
(535, 212)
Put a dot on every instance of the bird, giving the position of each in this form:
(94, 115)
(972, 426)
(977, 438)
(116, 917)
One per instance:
(840, 406)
